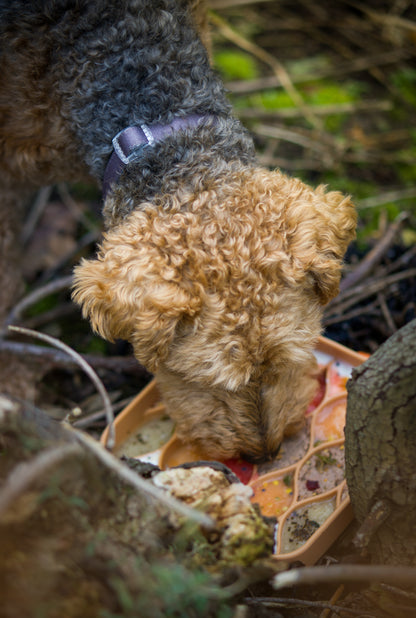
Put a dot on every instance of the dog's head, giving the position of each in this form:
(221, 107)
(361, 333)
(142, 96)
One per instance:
(221, 295)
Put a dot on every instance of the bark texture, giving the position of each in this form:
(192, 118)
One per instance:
(380, 445)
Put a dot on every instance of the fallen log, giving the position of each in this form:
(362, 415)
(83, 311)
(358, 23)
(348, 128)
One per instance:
(83, 534)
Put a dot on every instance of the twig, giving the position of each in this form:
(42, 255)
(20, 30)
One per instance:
(36, 295)
(318, 110)
(291, 164)
(24, 474)
(85, 367)
(404, 593)
(118, 364)
(332, 601)
(370, 309)
(353, 296)
(395, 575)
(36, 211)
(58, 312)
(359, 64)
(285, 601)
(88, 420)
(385, 198)
(75, 208)
(374, 256)
(385, 18)
(131, 477)
(278, 69)
(386, 313)
(296, 137)
(402, 260)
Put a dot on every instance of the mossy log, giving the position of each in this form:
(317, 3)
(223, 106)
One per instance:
(77, 540)
(380, 447)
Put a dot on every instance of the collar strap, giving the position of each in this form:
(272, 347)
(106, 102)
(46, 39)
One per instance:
(127, 142)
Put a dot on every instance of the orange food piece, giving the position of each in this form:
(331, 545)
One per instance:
(330, 421)
(273, 496)
(337, 384)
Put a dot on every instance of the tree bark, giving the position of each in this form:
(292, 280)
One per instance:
(380, 448)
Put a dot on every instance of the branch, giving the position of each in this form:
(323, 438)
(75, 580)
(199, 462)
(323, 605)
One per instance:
(118, 364)
(374, 256)
(396, 575)
(361, 63)
(278, 69)
(85, 367)
(36, 295)
(284, 602)
(360, 292)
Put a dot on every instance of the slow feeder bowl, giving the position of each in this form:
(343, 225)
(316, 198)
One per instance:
(304, 487)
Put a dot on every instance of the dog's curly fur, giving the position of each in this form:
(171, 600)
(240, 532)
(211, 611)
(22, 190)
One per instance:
(215, 269)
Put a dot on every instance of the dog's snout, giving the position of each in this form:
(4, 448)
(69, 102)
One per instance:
(256, 458)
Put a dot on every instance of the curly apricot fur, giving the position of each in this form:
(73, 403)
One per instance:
(216, 270)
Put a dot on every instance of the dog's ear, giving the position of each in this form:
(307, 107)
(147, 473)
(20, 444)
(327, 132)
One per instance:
(325, 228)
(338, 225)
(125, 295)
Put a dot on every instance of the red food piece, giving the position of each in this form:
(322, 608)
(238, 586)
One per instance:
(312, 485)
(319, 394)
(241, 468)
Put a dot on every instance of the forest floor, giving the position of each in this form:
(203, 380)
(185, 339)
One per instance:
(328, 91)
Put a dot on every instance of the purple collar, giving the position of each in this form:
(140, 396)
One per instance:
(127, 141)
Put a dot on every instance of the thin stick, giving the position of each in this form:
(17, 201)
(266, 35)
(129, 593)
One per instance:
(370, 309)
(404, 593)
(374, 256)
(318, 110)
(36, 295)
(86, 368)
(396, 575)
(354, 295)
(118, 364)
(283, 601)
(296, 137)
(402, 260)
(386, 313)
(359, 64)
(385, 18)
(332, 602)
(88, 420)
(37, 209)
(385, 198)
(278, 69)
(75, 208)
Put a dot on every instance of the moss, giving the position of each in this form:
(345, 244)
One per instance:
(236, 65)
